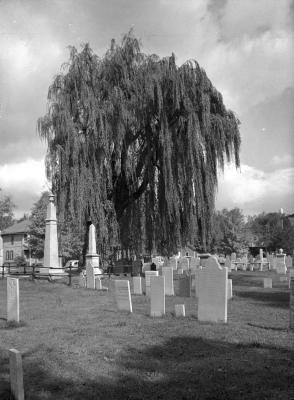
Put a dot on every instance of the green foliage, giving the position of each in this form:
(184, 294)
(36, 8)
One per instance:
(228, 233)
(273, 230)
(134, 142)
(6, 211)
(20, 261)
(70, 239)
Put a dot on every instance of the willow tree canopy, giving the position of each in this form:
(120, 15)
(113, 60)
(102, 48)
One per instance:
(135, 142)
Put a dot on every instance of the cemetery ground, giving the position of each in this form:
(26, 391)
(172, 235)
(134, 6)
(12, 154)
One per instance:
(76, 345)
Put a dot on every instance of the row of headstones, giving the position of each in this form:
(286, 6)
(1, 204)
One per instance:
(214, 289)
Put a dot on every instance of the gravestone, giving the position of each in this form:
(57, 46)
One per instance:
(281, 264)
(212, 296)
(90, 276)
(137, 285)
(173, 263)
(228, 262)
(16, 374)
(123, 295)
(184, 289)
(197, 282)
(233, 257)
(180, 310)
(194, 262)
(148, 275)
(184, 263)
(289, 262)
(291, 324)
(12, 299)
(82, 279)
(267, 283)
(168, 274)
(179, 271)
(230, 288)
(157, 296)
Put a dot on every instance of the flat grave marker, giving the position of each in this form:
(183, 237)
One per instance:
(16, 374)
(267, 283)
(12, 299)
(123, 295)
(157, 296)
(213, 292)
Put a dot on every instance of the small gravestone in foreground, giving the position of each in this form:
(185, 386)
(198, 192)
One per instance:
(148, 275)
(157, 296)
(267, 283)
(180, 310)
(137, 285)
(12, 299)
(123, 295)
(16, 374)
(213, 295)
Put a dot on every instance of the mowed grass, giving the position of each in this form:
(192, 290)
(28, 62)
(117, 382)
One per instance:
(76, 345)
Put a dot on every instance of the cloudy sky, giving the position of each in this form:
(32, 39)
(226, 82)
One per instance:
(246, 48)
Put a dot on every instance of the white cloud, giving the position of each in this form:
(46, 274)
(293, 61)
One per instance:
(255, 191)
(24, 182)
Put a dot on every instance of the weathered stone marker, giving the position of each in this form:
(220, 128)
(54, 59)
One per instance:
(157, 296)
(180, 310)
(292, 303)
(168, 274)
(267, 283)
(212, 292)
(12, 299)
(184, 286)
(90, 276)
(123, 295)
(148, 275)
(137, 285)
(16, 374)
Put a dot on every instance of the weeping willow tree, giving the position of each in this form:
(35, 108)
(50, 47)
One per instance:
(135, 142)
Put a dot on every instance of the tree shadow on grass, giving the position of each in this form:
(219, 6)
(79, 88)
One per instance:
(273, 299)
(179, 368)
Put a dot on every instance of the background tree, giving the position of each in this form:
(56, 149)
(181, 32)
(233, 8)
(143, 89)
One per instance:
(134, 142)
(228, 233)
(6, 211)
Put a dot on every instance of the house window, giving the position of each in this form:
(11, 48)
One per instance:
(7, 255)
(12, 239)
(11, 254)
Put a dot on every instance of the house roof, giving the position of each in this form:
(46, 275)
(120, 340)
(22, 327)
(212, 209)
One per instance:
(19, 227)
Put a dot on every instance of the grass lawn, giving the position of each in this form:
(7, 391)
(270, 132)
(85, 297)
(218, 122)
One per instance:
(75, 345)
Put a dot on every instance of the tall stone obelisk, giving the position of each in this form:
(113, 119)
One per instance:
(92, 257)
(51, 260)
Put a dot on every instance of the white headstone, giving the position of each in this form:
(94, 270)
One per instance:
(123, 295)
(230, 289)
(267, 283)
(137, 285)
(233, 257)
(167, 272)
(157, 296)
(281, 264)
(180, 310)
(212, 296)
(90, 276)
(91, 256)
(179, 271)
(82, 279)
(228, 262)
(184, 263)
(194, 262)
(148, 275)
(12, 299)
(16, 374)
